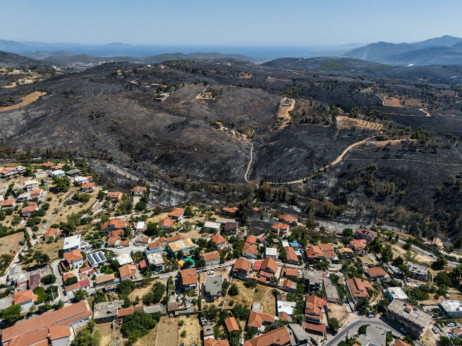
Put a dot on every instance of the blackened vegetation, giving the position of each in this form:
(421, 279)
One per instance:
(112, 113)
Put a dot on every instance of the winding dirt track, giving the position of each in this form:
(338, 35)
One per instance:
(26, 100)
(246, 175)
(333, 163)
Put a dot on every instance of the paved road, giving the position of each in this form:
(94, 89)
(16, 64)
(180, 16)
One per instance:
(351, 327)
(427, 253)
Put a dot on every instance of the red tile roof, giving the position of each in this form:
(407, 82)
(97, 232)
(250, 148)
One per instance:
(167, 223)
(176, 212)
(213, 342)
(73, 256)
(59, 332)
(290, 254)
(269, 263)
(231, 324)
(218, 239)
(277, 337)
(314, 252)
(139, 188)
(328, 251)
(320, 328)
(288, 218)
(208, 256)
(251, 239)
(24, 296)
(188, 276)
(231, 210)
(251, 249)
(291, 272)
(358, 287)
(242, 264)
(376, 272)
(256, 319)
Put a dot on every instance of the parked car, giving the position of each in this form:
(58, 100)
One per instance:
(435, 330)
(446, 296)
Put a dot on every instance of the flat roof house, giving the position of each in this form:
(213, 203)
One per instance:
(413, 319)
(213, 286)
(156, 261)
(72, 243)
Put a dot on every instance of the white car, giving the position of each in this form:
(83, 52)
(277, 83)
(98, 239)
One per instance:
(210, 272)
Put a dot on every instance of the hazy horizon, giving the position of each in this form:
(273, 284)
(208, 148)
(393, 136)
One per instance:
(238, 23)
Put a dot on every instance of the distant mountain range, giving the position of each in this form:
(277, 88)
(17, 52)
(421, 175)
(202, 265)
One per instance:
(11, 60)
(445, 50)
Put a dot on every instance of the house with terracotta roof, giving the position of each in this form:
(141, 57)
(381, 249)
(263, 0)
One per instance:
(87, 187)
(25, 299)
(250, 251)
(73, 259)
(328, 252)
(277, 337)
(44, 328)
(81, 285)
(291, 256)
(251, 239)
(313, 309)
(291, 273)
(280, 229)
(37, 194)
(139, 190)
(365, 234)
(218, 242)
(105, 280)
(27, 212)
(399, 342)
(358, 246)
(115, 196)
(188, 279)
(166, 224)
(176, 214)
(287, 285)
(269, 265)
(127, 272)
(377, 273)
(60, 335)
(259, 320)
(242, 267)
(212, 342)
(289, 219)
(313, 254)
(186, 246)
(52, 233)
(346, 253)
(230, 210)
(7, 203)
(156, 247)
(211, 258)
(231, 325)
(114, 224)
(358, 288)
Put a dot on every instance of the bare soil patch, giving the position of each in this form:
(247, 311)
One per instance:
(51, 249)
(11, 243)
(285, 106)
(26, 100)
(344, 122)
(338, 311)
(167, 332)
(193, 330)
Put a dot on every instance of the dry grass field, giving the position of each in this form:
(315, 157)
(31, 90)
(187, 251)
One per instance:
(247, 296)
(167, 332)
(338, 311)
(193, 330)
(11, 243)
(344, 122)
(26, 100)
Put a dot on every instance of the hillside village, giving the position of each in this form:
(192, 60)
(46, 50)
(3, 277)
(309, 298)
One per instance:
(81, 263)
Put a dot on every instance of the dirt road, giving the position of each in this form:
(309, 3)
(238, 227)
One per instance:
(26, 100)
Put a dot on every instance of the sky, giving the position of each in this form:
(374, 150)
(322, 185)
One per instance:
(228, 22)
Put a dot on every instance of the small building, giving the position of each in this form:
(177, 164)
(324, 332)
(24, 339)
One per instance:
(25, 299)
(230, 210)
(213, 286)
(218, 242)
(211, 226)
(124, 259)
(365, 234)
(107, 311)
(250, 251)
(358, 288)
(259, 320)
(281, 229)
(52, 233)
(211, 258)
(276, 337)
(87, 187)
(242, 267)
(291, 256)
(73, 259)
(113, 225)
(271, 252)
(231, 325)
(166, 224)
(313, 309)
(358, 246)
(328, 252)
(115, 196)
(313, 254)
(127, 272)
(105, 280)
(269, 265)
(231, 227)
(186, 246)
(452, 308)
(156, 261)
(72, 243)
(139, 190)
(96, 259)
(411, 318)
(312, 280)
(377, 273)
(418, 272)
(346, 253)
(396, 293)
(291, 273)
(188, 279)
(176, 214)
(289, 219)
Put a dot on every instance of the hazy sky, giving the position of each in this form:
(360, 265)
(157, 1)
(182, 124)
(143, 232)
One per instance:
(229, 22)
